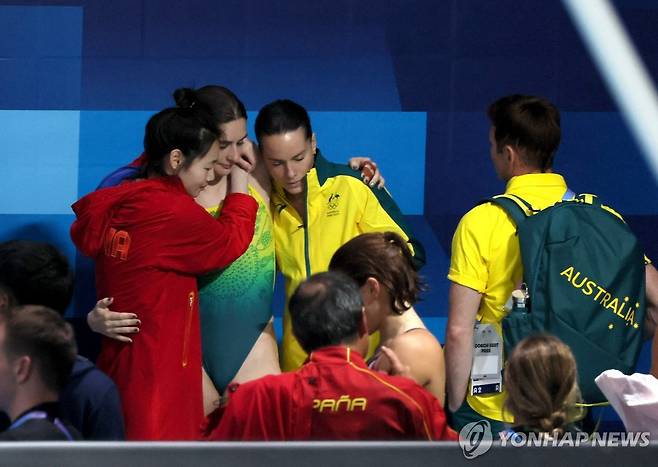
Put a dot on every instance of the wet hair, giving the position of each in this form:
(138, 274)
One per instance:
(282, 116)
(326, 309)
(42, 334)
(222, 104)
(541, 380)
(187, 127)
(530, 123)
(35, 273)
(386, 257)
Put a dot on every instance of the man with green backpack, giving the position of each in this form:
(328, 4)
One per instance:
(539, 259)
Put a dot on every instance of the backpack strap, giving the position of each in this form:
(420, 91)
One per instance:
(588, 198)
(517, 208)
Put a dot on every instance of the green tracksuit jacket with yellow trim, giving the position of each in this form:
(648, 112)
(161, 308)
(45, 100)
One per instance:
(339, 206)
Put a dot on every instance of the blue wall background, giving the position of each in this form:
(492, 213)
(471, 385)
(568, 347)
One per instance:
(404, 81)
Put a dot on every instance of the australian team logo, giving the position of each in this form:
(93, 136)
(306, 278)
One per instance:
(333, 205)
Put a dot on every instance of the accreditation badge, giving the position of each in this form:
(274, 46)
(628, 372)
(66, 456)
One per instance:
(486, 372)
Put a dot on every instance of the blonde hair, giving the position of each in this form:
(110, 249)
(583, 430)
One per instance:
(541, 380)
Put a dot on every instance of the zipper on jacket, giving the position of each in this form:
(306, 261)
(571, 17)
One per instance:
(188, 328)
(306, 247)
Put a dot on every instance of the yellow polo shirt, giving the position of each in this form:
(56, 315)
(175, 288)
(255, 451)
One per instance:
(486, 257)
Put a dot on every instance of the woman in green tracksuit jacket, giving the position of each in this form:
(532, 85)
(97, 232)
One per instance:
(317, 205)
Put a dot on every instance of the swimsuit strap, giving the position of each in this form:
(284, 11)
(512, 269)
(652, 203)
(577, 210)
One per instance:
(413, 329)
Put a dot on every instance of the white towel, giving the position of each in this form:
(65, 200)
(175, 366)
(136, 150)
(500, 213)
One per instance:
(634, 397)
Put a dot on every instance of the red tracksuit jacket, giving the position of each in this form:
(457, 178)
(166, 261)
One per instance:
(150, 240)
(334, 396)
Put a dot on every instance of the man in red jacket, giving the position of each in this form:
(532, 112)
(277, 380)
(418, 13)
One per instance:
(334, 396)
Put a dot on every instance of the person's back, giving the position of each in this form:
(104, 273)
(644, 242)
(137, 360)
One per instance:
(37, 351)
(41, 424)
(377, 406)
(334, 396)
(146, 272)
(382, 267)
(542, 388)
(91, 402)
(486, 266)
(150, 240)
(485, 263)
(37, 273)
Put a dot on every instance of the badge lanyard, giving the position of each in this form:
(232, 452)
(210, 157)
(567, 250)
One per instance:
(486, 372)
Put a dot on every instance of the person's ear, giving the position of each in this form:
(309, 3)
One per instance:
(370, 291)
(175, 159)
(514, 159)
(510, 153)
(314, 143)
(23, 368)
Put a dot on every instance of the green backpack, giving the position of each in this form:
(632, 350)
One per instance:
(585, 275)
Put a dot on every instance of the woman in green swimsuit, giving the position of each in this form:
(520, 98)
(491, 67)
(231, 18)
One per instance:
(237, 332)
(235, 303)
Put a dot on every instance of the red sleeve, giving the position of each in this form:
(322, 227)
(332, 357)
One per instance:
(434, 418)
(196, 243)
(255, 412)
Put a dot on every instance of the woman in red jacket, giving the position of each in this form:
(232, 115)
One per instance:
(150, 241)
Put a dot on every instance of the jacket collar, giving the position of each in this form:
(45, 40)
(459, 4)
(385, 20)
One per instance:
(51, 409)
(336, 354)
(535, 180)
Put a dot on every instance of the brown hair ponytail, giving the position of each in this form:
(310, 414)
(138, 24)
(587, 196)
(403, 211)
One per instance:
(386, 257)
(541, 380)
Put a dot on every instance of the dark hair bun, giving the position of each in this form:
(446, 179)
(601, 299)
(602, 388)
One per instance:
(185, 98)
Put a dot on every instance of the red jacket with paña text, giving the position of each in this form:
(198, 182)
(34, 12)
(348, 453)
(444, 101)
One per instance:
(150, 240)
(334, 396)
